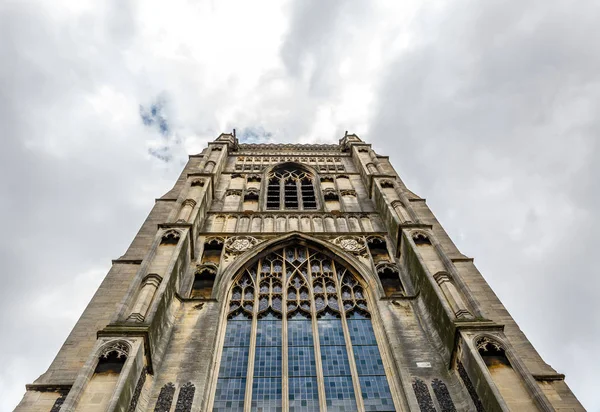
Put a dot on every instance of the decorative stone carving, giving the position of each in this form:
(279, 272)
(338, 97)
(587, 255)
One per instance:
(387, 266)
(348, 192)
(443, 395)
(58, 403)
(353, 244)
(251, 194)
(470, 388)
(420, 238)
(170, 237)
(484, 343)
(386, 184)
(120, 347)
(165, 398)
(186, 210)
(207, 267)
(423, 396)
(233, 192)
(185, 398)
(240, 244)
(289, 146)
(330, 194)
(198, 182)
(138, 391)
(148, 288)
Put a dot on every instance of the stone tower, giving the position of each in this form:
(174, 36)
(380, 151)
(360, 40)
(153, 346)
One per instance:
(295, 277)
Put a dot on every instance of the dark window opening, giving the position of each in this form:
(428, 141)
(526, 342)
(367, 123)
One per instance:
(492, 354)
(378, 249)
(212, 251)
(390, 281)
(421, 239)
(291, 189)
(113, 363)
(203, 284)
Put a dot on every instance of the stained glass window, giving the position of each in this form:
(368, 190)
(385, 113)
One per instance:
(292, 316)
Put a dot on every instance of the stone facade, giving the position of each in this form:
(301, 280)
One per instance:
(152, 336)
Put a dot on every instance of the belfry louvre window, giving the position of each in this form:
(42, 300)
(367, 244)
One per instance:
(291, 188)
(298, 336)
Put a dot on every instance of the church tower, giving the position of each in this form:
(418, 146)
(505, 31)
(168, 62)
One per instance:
(290, 277)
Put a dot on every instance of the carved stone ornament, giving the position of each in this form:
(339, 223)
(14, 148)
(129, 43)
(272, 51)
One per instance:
(171, 236)
(207, 267)
(121, 348)
(386, 183)
(348, 192)
(288, 146)
(383, 266)
(233, 192)
(353, 244)
(484, 343)
(240, 244)
(198, 182)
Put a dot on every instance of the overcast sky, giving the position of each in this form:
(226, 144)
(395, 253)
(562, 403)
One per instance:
(489, 109)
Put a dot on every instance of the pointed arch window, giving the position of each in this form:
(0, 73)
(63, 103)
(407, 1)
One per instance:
(299, 337)
(291, 188)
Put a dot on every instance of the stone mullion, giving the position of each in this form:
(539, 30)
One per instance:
(351, 361)
(284, 339)
(316, 342)
(281, 193)
(299, 193)
(252, 350)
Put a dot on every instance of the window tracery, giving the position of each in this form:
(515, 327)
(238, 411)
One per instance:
(291, 188)
(292, 315)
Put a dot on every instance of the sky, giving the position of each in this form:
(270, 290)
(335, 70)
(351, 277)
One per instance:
(489, 109)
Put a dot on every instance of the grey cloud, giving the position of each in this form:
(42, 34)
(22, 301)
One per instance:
(493, 113)
(490, 114)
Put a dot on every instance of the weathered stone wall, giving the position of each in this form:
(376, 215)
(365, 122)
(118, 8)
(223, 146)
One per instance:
(214, 220)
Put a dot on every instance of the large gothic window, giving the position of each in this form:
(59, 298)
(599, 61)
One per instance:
(290, 188)
(299, 335)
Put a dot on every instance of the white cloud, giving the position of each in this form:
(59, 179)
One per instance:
(488, 109)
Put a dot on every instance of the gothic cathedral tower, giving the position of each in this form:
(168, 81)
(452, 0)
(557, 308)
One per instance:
(280, 277)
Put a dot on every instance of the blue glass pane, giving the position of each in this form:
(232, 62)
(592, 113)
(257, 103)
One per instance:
(229, 395)
(361, 332)
(331, 332)
(335, 361)
(267, 361)
(234, 363)
(339, 394)
(300, 333)
(238, 333)
(368, 360)
(266, 394)
(376, 393)
(304, 395)
(356, 315)
(268, 333)
(301, 361)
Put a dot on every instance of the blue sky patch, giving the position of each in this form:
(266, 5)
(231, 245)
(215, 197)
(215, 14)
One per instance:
(255, 134)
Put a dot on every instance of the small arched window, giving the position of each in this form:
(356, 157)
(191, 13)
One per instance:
(291, 188)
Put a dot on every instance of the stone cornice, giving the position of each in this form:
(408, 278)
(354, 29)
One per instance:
(274, 234)
(49, 387)
(289, 146)
(292, 212)
(127, 261)
(548, 376)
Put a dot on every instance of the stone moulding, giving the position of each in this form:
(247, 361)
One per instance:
(289, 147)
